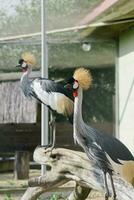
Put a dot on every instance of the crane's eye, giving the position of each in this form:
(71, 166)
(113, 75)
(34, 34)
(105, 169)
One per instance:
(75, 85)
(24, 64)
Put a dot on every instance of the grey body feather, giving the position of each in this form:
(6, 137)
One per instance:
(26, 85)
(96, 144)
(47, 87)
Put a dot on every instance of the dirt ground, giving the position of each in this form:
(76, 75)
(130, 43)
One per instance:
(11, 189)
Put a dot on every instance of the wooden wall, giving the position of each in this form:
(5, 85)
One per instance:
(27, 136)
(14, 106)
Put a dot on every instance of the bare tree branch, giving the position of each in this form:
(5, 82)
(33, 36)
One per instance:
(68, 165)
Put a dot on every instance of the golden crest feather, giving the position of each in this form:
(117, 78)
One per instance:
(29, 58)
(84, 78)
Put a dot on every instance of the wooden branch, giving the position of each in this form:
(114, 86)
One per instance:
(79, 192)
(68, 165)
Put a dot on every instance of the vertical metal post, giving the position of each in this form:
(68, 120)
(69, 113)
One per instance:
(117, 90)
(44, 73)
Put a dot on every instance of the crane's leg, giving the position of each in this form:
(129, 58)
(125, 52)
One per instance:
(113, 188)
(53, 130)
(106, 187)
(51, 144)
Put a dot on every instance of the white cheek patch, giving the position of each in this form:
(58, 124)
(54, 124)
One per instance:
(24, 65)
(75, 85)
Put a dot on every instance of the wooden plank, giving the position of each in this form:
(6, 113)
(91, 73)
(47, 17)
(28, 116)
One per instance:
(17, 137)
(14, 106)
(21, 167)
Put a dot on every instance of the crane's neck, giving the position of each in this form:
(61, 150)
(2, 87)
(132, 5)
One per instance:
(25, 82)
(78, 122)
(78, 106)
(25, 75)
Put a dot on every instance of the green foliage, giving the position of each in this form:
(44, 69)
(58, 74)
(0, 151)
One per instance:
(98, 101)
(39, 198)
(57, 196)
(64, 49)
(8, 197)
(26, 14)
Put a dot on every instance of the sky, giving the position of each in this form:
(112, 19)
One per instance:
(8, 5)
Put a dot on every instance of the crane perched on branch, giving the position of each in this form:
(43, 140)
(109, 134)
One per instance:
(105, 151)
(49, 92)
(65, 165)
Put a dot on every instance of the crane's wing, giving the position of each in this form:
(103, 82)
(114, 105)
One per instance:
(95, 153)
(114, 148)
(54, 95)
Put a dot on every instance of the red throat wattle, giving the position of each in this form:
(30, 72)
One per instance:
(75, 93)
(24, 69)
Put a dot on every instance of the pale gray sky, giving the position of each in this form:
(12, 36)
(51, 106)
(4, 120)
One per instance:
(8, 5)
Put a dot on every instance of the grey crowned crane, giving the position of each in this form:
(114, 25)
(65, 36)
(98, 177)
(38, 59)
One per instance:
(102, 149)
(49, 92)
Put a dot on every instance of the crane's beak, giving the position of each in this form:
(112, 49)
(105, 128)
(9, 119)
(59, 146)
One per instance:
(18, 65)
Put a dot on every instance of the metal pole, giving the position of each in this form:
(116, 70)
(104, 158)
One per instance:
(44, 73)
(117, 91)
